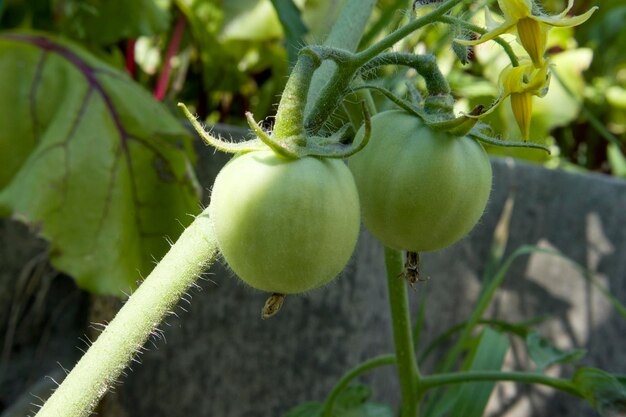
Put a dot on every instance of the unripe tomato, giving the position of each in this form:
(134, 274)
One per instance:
(285, 226)
(420, 189)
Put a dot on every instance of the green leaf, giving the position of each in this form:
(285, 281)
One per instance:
(617, 160)
(602, 390)
(470, 399)
(309, 409)
(367, 410)
(105, 22)
(544, 354)
(293, 26)
(351, 402)
(90, 160)
(250, 20)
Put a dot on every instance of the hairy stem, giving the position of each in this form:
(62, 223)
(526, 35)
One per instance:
(564, 385)
(370, 364)
(408, 371)
(290, 114)
(329, 97)
(425, 65)
(345, 34)
(122, 339)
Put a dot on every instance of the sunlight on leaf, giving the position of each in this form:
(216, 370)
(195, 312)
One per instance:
(89, 159)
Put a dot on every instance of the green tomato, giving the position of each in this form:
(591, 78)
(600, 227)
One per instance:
(285, 226)
(420, 190)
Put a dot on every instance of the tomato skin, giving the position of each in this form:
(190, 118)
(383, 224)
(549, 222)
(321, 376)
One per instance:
(285, 226)
(420, 190)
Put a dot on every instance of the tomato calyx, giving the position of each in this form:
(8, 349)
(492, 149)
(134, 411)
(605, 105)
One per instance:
(293, 147)
(272, 305)
(464, 125)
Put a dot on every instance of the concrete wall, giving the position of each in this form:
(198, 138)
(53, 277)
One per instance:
(221, 360)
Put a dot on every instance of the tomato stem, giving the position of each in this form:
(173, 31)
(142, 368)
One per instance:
(290, 116)
(564, 385)
(408, 371)
(123, 338)
(329, 98)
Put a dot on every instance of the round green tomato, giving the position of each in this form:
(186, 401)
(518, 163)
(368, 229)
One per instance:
(285, 226)
(420, 190)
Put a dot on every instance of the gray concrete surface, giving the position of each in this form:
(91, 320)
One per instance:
(221, 360)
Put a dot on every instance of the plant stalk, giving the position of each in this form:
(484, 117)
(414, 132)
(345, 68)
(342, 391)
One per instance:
(123, 338)
(290, 114)
(408, 371)
(328, 98)
(436, 380)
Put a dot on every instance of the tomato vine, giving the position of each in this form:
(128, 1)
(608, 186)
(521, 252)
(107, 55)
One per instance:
(285, 211)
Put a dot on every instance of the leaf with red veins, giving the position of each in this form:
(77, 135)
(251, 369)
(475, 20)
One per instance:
(89, 157)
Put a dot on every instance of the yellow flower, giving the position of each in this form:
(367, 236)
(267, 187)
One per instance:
(532, 29)
(521, 83)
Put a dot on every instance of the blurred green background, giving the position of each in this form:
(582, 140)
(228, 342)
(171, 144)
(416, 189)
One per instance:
(229, 57)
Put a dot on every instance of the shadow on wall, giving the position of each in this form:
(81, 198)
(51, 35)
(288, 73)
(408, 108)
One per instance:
(221, 359)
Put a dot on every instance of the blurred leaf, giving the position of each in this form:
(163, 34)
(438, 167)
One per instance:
(617, 160)
(544, 354)
(107, 21)
(616, 96)
(470, 399)
(602, 390)
(293, 26)
(558, 107)
(521, 329)
(251, 20)
(351, 402)
(309, 409)
(91, 160)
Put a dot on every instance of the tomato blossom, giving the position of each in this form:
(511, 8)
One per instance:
(521, 83)
(531, 28)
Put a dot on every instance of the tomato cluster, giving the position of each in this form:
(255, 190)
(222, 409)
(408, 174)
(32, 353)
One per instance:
(290, 225)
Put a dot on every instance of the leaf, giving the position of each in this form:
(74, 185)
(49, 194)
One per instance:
(470, 399)
(309, 409)
(293, 26)
(90, 159)
(351, 402)
(367, 410)
(617, 160)
(105, 22)
(602, 390)
(544, 354)
(251, 20)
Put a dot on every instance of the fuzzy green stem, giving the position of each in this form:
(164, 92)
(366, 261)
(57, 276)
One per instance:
(290, 114)
(345, 34)
(328, 99)
(404, 31)
(564, 385)
(408, 372)
(345, 380)
(123, 338)
(425, 65)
